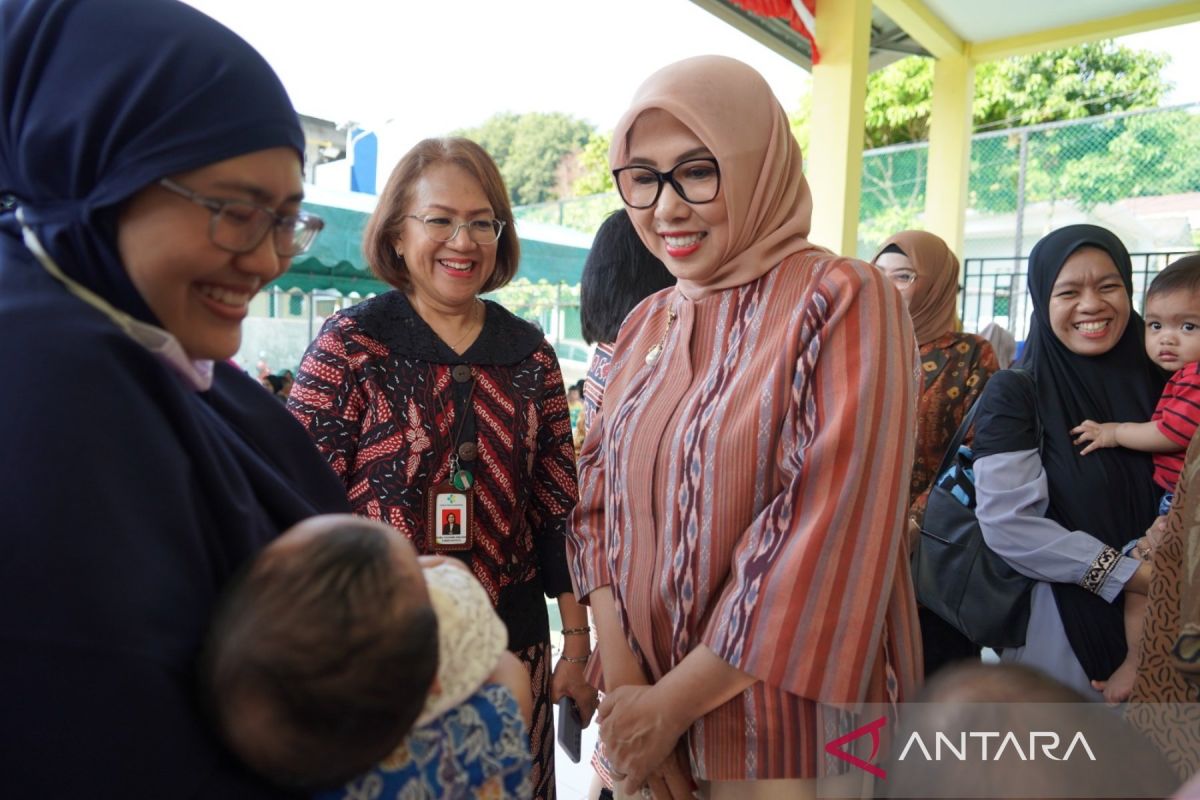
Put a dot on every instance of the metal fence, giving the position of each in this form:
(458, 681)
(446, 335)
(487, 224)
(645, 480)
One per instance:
(1132, 172)
(579, 213)
(995, 289)
(1024, 182)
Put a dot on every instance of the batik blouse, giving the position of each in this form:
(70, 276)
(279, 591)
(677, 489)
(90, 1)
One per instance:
(378, 394)
(954, 369)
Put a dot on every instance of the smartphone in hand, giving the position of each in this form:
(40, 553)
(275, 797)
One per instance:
(570, 728)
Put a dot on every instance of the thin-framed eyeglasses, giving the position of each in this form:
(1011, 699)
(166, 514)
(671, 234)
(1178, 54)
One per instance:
(239, 226)
(902, 278)
(696, 180)
(443, 229)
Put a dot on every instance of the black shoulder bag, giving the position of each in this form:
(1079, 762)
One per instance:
(957, 576)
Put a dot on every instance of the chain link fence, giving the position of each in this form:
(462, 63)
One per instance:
(1135, 173)
(578, 213)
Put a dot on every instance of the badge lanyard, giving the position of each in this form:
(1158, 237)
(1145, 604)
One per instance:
(450, 514)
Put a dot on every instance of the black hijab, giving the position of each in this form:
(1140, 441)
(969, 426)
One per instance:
(1108, 493)
(128, 498)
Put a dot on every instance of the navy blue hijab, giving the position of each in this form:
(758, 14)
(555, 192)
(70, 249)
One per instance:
(128, 499)
(1109, 493)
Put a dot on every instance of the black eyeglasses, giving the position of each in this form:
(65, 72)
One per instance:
(696, 180)
(239, 226)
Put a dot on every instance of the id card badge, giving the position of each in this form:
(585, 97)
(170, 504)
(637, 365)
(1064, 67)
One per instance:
(449, 524)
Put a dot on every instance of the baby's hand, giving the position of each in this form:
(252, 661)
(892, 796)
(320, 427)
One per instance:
(1100, 434)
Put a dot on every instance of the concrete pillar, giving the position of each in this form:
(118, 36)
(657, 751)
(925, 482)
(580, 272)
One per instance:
(949, 149)
(839, 90)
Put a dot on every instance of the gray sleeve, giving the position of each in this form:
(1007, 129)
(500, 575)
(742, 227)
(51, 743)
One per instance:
(1011, 499)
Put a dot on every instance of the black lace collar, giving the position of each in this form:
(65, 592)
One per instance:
(391, 320)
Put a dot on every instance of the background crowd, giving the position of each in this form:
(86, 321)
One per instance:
(223, 595)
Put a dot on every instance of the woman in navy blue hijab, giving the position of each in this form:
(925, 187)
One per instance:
(150, 184)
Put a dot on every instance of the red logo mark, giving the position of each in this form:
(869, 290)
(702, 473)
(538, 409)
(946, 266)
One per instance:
(834, 748)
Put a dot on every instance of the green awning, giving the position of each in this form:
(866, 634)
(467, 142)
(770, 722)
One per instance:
(553, 263)
(336, 260)
(311, 274)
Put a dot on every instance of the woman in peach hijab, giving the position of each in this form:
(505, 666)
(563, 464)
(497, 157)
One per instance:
(744, 488)
(954, 368)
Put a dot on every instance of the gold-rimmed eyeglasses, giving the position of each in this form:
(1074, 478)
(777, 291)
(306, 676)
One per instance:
(902, 278)
(443, 229)
(239, 226)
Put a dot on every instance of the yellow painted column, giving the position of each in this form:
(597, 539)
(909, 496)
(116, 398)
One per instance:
(949, 149)
(839, 91)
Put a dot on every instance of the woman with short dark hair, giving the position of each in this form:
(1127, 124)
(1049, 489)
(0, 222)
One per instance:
(618, 274)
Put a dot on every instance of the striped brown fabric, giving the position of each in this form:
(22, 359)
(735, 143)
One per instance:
(747, 491)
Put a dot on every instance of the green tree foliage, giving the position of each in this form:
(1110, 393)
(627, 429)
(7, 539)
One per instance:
(1143, 155)
(595, 176)
(899, 98)
(1088, 163)
(1082, 81)
(530, 148)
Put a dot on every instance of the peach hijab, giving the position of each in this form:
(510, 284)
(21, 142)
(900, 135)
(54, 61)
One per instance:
(936, 294)
(731, 109)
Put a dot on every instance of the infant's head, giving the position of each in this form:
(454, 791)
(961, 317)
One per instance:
(322, 652)
(1173, 314)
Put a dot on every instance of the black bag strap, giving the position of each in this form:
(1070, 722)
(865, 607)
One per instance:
(957, 440)
(969, 419)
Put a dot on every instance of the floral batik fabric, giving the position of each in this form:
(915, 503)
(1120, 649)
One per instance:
(479, 749)
(954, 369)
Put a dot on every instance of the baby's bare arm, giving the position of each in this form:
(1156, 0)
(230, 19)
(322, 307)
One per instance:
(1144, 437)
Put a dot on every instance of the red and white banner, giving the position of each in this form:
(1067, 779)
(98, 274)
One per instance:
(798, 13)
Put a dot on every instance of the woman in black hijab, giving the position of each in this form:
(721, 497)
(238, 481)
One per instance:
(1058, 517)
(150, 184)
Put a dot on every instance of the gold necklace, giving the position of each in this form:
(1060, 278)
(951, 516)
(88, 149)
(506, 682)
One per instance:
(470, 328)
(657, 349)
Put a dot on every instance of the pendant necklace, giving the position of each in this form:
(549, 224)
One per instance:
(657, 349)
(470, 330)
(460, 478)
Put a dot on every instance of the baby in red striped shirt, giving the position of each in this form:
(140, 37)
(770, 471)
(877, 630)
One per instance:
(1173, 343)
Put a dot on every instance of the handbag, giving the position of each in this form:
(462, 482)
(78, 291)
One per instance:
(957, 576)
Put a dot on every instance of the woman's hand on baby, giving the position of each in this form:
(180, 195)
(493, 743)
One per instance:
(569, 681)
(638, 733)
(1143, 549)
(1099, 434)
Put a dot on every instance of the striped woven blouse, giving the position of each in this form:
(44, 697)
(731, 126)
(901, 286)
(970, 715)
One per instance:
(747, 491)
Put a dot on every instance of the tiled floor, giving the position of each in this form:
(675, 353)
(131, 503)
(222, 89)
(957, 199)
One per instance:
(573, 780)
